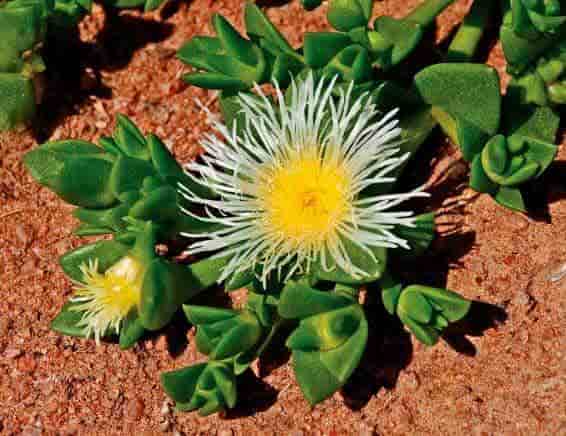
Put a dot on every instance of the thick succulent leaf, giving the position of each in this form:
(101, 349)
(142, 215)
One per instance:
(350, 64)
(390, 293)
(419, 237)
(131, 330)
(106, 252)
(321, 373)
(129, 138)
(427, 311)
(299, 301)
(239, 280)
(522, 50)
(18, 100)
(540, 123)
(224, 333)
(66, 321)
(466, 101)
(128, 174)
(325, 331)
(166, 286)
(510, 198)
(21, 28)
(479, 180)
(372, 266)
(209, 387)
(393, 40)
(111, 219)
(199, 315)
(82, 179)
(264, 307)
(260, 29)
(320, 47)
(345, 15)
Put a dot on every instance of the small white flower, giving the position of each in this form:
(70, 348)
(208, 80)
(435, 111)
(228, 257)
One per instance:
(291, 184)
(106, 299)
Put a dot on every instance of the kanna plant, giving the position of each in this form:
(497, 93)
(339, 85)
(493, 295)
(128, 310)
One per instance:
(126, 187)
(305, 214)
(297, 196)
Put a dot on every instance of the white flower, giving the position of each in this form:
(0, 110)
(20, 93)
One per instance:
(291, 183)
(106, 299)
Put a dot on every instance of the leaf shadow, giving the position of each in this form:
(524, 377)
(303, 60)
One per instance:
(259, 396)
(481, 317)
(548, 189)
(388, 351)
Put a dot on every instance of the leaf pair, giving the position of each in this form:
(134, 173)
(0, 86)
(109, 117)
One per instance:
(231, 62)
(230, 338)
(506, 163)
(465, 99)
(209, 387)
(544, 83)
(330, 340)
(425, 311)
(530, 18)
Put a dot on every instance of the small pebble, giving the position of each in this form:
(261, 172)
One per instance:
(135, 409)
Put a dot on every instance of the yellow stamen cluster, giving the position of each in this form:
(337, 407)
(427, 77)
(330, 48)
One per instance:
(106, 299)
(305, 198)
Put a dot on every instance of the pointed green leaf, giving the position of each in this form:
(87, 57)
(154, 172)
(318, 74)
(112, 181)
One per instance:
(66, 321)
(106, 252)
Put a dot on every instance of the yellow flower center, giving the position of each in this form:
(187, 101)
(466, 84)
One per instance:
(108, 298)
(305, 197)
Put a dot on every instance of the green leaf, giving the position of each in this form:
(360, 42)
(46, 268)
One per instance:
(223, 334)
(259, 28)
(390, 293)
(320, 47)
(209, 387)
(419, 237)
(66, 321)
(298, 300)
(166, 286)
(129, 138)
(320, 368)
(17, 95)
(351, 64)
(345, 15)
(466, 102)
(131, 330)
(373, 267)
(427, 311)
(106, 252)
(393, 40)
(79, 178)
(128, 174)
(510, 198)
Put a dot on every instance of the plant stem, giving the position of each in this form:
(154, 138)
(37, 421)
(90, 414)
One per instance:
(427, 12)
(276, 325)
(466, 41)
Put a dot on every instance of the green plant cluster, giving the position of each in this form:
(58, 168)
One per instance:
(131, 190)
(130, 193)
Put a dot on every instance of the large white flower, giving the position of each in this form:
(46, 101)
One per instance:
(291, 182)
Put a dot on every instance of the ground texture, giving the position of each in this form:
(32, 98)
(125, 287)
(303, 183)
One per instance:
(503, 373)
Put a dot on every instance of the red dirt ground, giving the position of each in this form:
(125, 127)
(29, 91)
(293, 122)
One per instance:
(494, 377)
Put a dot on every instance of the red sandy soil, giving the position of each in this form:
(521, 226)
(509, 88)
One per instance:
(495, 376)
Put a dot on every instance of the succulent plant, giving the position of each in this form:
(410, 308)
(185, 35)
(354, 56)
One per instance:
(126, 187)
